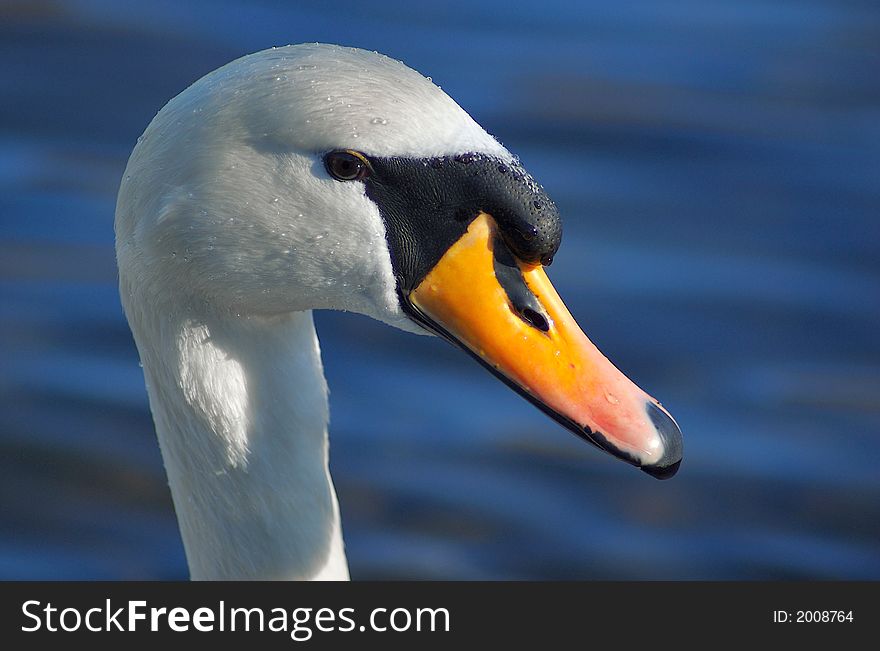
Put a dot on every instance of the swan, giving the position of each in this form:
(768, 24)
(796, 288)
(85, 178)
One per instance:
(324, 177)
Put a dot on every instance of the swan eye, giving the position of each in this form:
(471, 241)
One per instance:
(346, 165)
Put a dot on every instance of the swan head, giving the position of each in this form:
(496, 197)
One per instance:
(324, 177)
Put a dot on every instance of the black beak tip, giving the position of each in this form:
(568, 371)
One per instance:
(662, 472)
(670, 435)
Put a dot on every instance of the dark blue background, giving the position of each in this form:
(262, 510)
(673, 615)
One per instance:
(717, 164)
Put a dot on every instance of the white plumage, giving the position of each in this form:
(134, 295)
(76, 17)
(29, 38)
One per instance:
(229, 231)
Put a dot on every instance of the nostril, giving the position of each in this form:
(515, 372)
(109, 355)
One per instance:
(534, 319)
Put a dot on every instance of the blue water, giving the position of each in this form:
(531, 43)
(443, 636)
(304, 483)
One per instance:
(717, 165)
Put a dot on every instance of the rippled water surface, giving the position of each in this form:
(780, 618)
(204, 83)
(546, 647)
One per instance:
(717, 165)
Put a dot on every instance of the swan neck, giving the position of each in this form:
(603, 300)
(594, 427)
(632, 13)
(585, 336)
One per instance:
(241, 412)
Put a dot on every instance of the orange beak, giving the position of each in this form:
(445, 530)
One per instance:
(508, 316)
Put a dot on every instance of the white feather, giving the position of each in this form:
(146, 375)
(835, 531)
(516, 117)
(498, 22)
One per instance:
(229, 231)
